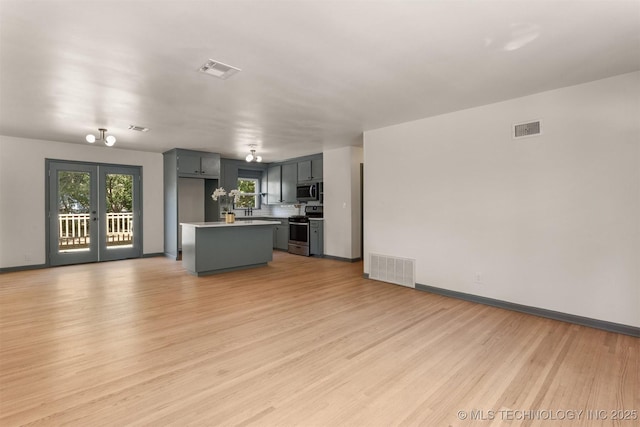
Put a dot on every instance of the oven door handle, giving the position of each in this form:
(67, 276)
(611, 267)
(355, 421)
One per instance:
(313, 191)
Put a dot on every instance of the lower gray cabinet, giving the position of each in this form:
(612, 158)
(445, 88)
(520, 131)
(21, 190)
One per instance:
(316, 243)
(281, 236)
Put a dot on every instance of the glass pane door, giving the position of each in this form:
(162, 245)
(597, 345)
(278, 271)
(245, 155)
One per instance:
(120, 206)
(94, 212)
(73, 215)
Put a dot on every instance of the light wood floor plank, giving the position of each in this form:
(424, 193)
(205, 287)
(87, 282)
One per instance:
(303, 341)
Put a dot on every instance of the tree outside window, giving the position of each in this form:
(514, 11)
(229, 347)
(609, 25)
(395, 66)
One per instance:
(247, 185)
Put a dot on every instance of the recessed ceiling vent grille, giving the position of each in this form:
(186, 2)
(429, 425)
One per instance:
(138, 128)
(523, 130)
(218, 69)
(401, 271)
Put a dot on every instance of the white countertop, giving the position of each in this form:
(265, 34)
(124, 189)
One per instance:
(242, 217)
(242, 223)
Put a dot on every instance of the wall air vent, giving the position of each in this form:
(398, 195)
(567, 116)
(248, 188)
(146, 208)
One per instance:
(218, 69)
(400, 271)
(523, 130)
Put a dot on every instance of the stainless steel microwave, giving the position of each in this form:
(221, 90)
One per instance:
(308, 192)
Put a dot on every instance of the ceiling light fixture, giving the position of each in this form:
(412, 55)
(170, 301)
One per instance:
(108, 140)
(251, 157)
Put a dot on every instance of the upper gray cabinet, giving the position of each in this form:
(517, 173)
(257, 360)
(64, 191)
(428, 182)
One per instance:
(274, 185)
(198, 164)
(283, 178)
(310, 170)
(228, 174)
(281, 183)
(289, 181)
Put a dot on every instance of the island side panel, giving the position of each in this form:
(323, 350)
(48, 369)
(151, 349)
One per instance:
(225, 248)
(189, 248)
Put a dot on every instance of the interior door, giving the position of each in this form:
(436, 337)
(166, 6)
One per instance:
(94, 212)
(73, 213)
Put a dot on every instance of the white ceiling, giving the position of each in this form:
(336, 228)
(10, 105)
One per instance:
(315, 74)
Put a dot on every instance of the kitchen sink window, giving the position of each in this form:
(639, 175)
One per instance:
(248, 185)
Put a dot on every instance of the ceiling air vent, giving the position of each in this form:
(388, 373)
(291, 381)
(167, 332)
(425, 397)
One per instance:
(523, 130)
(138, 128)
(218, 69)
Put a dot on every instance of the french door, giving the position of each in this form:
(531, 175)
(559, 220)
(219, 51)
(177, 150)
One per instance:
(94, 212)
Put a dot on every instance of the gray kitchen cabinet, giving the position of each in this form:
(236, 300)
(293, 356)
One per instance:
(316, 168)
(304, 171)
(274, 185)
(189, 179)
(289, 183)
(228, 174)
(316, 242)
(281, 183)
(281, 236)
(310, 170)
(198, 164)
(264, 186)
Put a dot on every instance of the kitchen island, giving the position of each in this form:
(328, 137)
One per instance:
(216, 247)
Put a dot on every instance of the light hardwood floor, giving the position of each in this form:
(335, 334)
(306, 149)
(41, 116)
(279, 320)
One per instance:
(303, 341)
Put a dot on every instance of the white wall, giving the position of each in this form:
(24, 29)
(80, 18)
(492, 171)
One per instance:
(551, 221)
(22, 194)
(342, 210)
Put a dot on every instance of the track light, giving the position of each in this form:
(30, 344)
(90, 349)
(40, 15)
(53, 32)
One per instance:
(109, 140)
(251, 157)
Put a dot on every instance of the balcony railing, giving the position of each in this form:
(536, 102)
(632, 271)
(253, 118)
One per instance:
(73, 229)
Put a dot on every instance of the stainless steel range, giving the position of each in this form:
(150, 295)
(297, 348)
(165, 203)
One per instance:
(299, 235)
(299, 230)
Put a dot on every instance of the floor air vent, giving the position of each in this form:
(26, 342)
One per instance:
(401, 271)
